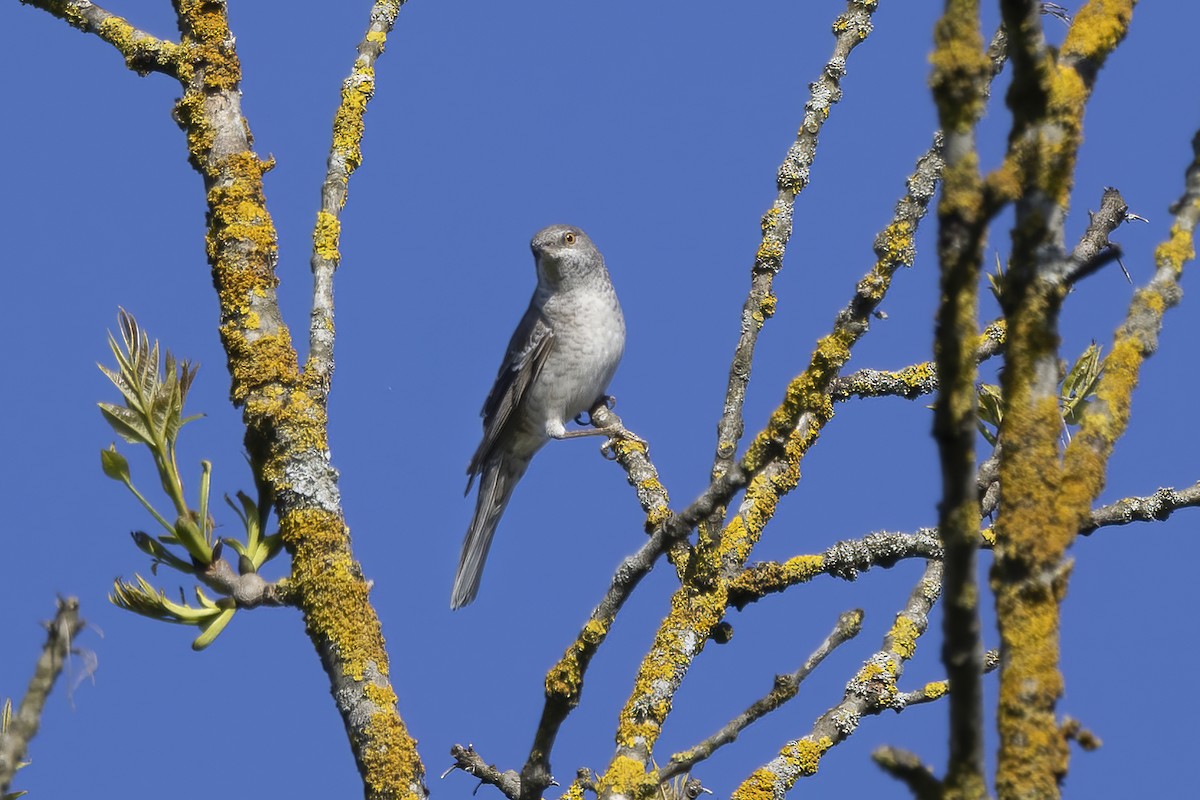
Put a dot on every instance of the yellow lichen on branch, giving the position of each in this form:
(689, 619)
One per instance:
(1045, 500)
(797, 759)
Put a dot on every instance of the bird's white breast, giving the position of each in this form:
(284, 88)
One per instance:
(589, 339)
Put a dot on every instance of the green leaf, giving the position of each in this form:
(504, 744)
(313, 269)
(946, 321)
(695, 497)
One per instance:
(211, 629)
(161, 555)
(991, 411)
(153, 398)
(248, 511)
(192, 539)
(120, 380)
(114, 464)
(996, 281)
(142, 598)
(1080, 384)
(127, 423)
(271, 546)
(206, 523)
(237, 546)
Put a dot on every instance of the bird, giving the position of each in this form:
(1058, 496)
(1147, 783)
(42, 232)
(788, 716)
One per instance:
(558, 364)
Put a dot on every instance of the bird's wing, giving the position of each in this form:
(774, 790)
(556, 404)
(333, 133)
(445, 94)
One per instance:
(531, 343)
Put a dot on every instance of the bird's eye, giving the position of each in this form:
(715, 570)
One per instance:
(568, 238)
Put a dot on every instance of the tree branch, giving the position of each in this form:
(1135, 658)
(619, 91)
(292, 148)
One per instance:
(908, 768)
(883, 549)
(564, 681)
(286, 431)
(786, 686)
(773, 461)
(915, 380)
(14, 743)
(1094, 249)
(1157, 506)
(143, 52)
(1044, 498)
(769, 470)
(850, 30)
(871, 691)
(960, 79)
(469, 761)
(936, 690)
(345, 156)
(843, 560)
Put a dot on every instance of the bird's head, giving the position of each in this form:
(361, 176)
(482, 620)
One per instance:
(565, 257)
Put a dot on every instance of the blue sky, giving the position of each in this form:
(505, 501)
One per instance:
(658, 129)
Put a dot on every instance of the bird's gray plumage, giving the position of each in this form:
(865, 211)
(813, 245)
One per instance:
(558, 364)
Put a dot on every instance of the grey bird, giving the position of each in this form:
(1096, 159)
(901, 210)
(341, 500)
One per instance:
(558, 365)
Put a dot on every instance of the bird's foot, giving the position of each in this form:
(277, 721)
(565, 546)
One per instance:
(616, 434)
(605, 400)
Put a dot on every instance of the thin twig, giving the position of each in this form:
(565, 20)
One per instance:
(871, 691)
(60, 633)
(962, 74)
(773, 463)
(1094, 249)
(564, 681)
(844, 560)
(851, 30)
(785, 688)
(143, 52)
(935, 690)
(915, 380)
(908, 768)
(469, 761)
(345, 156)
(1157, 506)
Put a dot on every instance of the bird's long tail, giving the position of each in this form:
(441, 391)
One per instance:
(497, 479)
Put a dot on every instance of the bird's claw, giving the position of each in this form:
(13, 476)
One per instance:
(605, 400)
(617, 434)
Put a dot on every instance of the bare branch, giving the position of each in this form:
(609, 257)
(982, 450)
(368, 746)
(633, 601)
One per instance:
(912, 381)
(286, 431)
(961, 75)
(883, 549)
(143, 52)
(564, 681)
(786, 686)
(850, 31)
(936, 690)
(1047, 97)
(908, 768)
(345, 156)
(60, 633)
(1073, 730)
(871, 691)
(772, 462)
(466, 759)
(1157, 506)
(845, 560)
(1094, 250)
